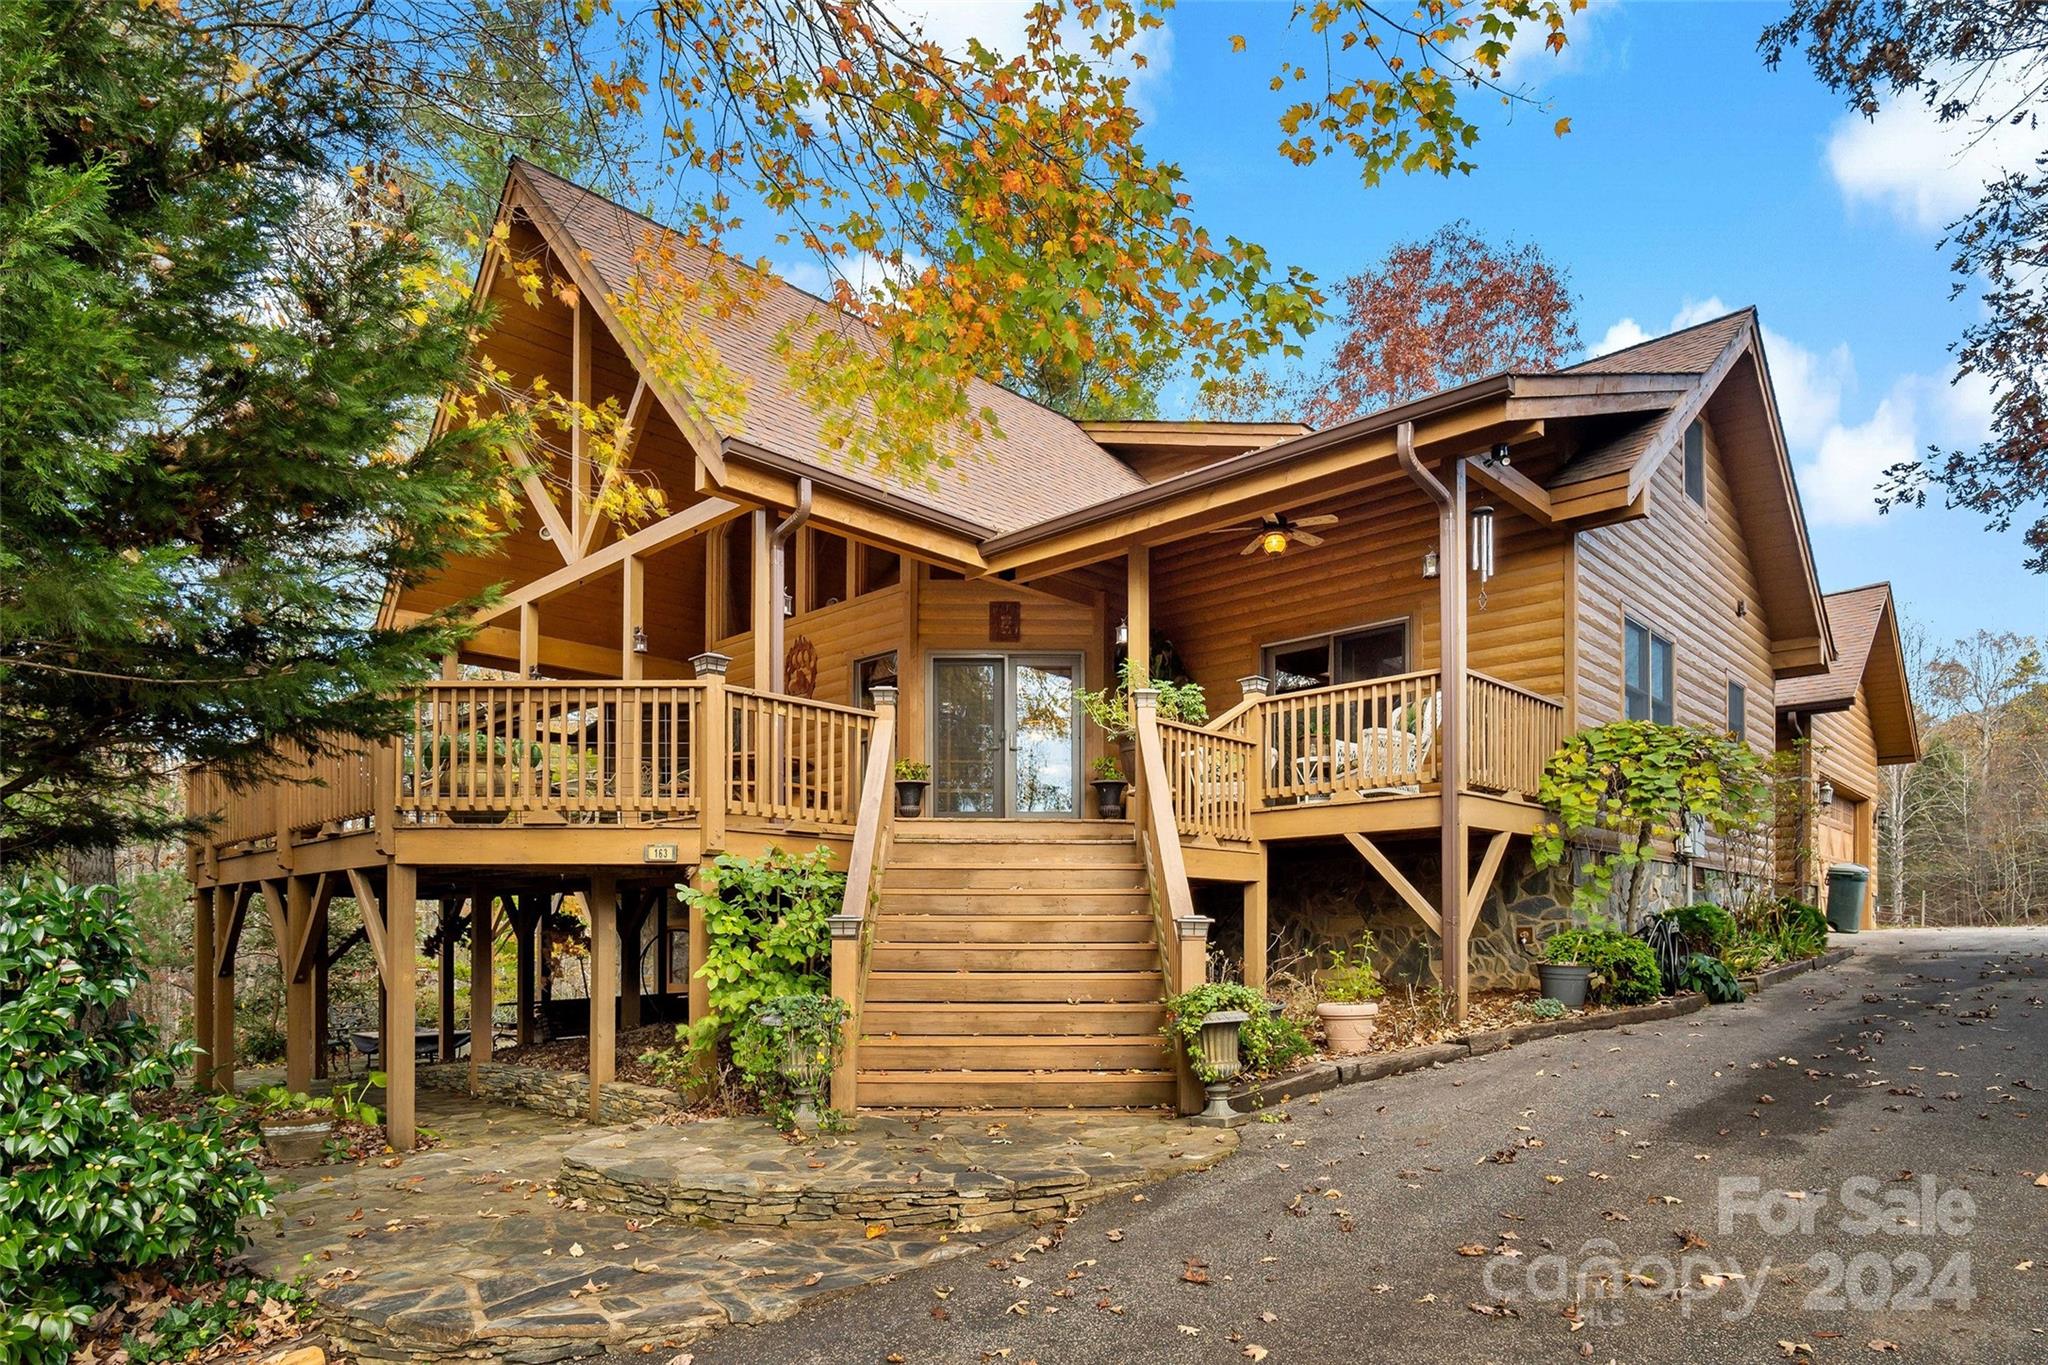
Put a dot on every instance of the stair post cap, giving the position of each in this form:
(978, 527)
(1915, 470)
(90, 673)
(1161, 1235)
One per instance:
(844, 926)
(1144, 698)
(884, 696)
(711, 664)
(1255, 685)
(1193, 926)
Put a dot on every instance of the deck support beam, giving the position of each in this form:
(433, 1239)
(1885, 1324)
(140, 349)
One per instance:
(451, 916)
(227, 934)
(301, 1040)
(1255, 928)
(482, 942)
(204, 916)
(1138, 614)
(401, 988)
(1403, 888)
(604, 986)
(525, 924)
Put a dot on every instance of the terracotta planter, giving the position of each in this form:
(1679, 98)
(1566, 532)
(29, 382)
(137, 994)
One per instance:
(1564, 982)
(1348, 1026)
(295, 1140)
(910, 797)
(1109, 797)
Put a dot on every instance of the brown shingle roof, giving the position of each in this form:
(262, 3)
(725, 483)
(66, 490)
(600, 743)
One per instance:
(1691, 351)
(1044, 464)
(1854, 617)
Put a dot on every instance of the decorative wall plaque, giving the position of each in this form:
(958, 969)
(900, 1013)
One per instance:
(1005, 622)
(800, 668)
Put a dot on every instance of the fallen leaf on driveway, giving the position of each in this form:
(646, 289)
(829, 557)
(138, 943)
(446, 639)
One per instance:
(1253, 1352)
(1188, 1331)
(1791, 1350)
(1880, 1345)
(575, 1248)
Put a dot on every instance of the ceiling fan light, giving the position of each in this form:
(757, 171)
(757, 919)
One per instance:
(1273, 542)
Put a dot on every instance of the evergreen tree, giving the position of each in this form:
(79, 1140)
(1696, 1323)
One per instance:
(223, 329)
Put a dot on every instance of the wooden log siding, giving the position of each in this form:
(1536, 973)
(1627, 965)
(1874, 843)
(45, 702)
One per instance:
(1511, 733)
(1211, 778)
(517, 748)
(796, 759)
(1351, 738)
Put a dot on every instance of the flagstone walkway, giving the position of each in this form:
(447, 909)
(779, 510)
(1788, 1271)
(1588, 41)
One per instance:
(477, 1249)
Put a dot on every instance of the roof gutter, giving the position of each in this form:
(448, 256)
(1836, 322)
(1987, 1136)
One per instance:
(1251, 462)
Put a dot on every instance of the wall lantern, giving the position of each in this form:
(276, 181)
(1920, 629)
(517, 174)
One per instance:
(639, 640)
(1123, 632)
(1429, 568)
(534, 673)
(1825, 793)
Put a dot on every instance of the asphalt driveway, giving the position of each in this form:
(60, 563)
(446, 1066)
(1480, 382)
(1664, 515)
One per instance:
(1849, 1167)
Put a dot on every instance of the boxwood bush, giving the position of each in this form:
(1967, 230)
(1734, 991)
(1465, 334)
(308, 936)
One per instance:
(90, 1185)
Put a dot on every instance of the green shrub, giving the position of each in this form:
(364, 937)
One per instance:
(769, 939)
(1268, 1040)
(1705, 928)
(1710, 976)
(89, 1186)
(1778, 929)
(186, 1329)
(1351, 979)
(1624, 970)
(1542, 1007)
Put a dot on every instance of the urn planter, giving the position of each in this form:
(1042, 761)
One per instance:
(910, 797)
(1220, 1058)
(1109, 797)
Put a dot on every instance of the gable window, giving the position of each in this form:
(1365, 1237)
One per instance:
(1738, 710)
(879, 568)
(1646, 673)
(828, 571)
(1343, 656)
(1696, 463)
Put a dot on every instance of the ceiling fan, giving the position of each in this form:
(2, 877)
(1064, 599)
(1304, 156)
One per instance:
(1276, 530)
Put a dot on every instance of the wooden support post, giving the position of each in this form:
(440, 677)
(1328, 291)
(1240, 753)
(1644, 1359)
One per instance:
(225, 932)
(1255, 929)
(711, 758)
(700, 950)
(632, 924)
(529, 638)
(320, 1000)
(204, 916)
(301, 1032)
(1138, 614)
(401, 987)
(481, 942)
(632, 616)
(846, 931)
(525, 929)
(444, 980)
(604, 986)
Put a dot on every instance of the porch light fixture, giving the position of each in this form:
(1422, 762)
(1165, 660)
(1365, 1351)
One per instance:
(1498, 457)
(639, 640)
(1274, 542)
(1429, 568)
(1825, 793)
(534, 673)
(1123, 632)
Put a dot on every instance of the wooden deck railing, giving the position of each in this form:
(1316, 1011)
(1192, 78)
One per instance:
(1352, 739)
(1510, 733)
(550, 749)
(867, 859)
(1213, 779)
(519, 752)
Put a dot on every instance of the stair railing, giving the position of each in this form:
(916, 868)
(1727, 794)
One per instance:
(1183, 934)
(852, 926)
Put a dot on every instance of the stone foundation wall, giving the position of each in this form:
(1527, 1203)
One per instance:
(565, 1094)
(1322, 895)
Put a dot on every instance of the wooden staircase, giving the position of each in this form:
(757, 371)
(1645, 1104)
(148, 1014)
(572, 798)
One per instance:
(1014, 963)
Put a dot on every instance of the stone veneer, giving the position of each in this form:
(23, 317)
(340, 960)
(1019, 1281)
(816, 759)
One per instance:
(1325, 893)
(897, 1173)
(565, 1094)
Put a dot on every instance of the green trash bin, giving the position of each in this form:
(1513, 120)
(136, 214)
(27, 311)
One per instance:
(1846, 885)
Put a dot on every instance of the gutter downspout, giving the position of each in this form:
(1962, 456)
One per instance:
(778, 580)
(1450, 744)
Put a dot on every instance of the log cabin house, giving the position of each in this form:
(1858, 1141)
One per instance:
(1396, 621)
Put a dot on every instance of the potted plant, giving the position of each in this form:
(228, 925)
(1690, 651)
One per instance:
(295, 1128)
(1110, 709)
(1351, 992)
(912, 778)
(1221, 1027)
(808, 1027)
(1563, 974)
(1110, 783)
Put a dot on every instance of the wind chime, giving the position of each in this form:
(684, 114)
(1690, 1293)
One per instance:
(1482, 548)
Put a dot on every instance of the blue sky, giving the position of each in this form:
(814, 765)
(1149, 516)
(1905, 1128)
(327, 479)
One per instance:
(1693, 181)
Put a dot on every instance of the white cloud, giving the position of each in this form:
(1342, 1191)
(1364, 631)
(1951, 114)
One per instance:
(1809, 385)
(1926, 172)
(1627, 332)
(1001, 26)
(1839, 484)
(1530, 60)
(1694, 311)
(866, 272)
